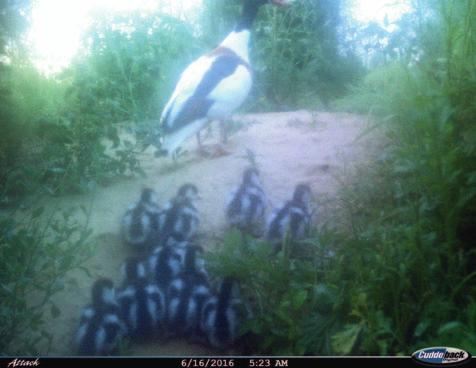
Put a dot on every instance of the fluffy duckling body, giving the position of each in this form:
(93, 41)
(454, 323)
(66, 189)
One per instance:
(221, 317)
(142, 222)
(165, 264)
(184, 247)
(246, 208)
(293, 220)
(186, 296)
(141, 301)
(181, 220)
(101, 327)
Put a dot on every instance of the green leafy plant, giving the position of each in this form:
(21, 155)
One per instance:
(402, 275)
(409, 249)
(295, 52)
(37, 252)
(292, 307)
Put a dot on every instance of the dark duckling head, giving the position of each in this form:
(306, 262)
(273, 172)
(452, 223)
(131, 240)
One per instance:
(133, 269)
(302, 195)
(103, 292)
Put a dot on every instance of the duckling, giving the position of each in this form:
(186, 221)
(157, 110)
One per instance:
(246, 209)
(194, 264)
(142, 221)
(293, 219)
(221, 317)
(141, 301)
(165, 264)
(181, 218)
(186, 296)
(101, 328)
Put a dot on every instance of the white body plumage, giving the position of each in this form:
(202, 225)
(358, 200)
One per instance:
(211, 87)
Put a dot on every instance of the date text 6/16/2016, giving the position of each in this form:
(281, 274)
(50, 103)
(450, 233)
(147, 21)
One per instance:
(231, 363)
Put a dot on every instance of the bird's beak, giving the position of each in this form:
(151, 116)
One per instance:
(281, 2)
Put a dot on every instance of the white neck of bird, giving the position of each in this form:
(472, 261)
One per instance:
(238, 42)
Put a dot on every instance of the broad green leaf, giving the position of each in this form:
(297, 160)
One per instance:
(343, 342)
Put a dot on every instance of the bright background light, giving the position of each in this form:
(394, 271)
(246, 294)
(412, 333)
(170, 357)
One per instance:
(57, 25)
(366, 11)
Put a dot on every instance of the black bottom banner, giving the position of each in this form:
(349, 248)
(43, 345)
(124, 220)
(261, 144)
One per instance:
(221, 362)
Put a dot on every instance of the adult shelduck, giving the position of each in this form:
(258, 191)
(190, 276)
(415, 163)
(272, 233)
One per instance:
(212, 87)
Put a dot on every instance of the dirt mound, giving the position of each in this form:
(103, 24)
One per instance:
(288, 147)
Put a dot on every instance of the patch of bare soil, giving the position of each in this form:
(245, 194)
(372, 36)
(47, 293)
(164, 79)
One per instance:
(289, 148)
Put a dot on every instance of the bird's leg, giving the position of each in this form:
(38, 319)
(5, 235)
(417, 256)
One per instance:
(199, 141)
(174, 156)
(223, 133)
(220, 150)
(201, 148)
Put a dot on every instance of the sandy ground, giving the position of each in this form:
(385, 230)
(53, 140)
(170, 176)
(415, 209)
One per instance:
(289, 148)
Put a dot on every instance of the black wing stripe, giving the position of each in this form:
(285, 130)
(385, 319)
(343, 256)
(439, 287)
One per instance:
(197, 106)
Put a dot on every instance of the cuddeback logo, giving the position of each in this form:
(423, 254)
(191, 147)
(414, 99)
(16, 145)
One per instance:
(441, 356)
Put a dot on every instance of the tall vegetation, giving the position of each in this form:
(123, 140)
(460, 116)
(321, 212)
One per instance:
(401, 275)
(38, 250)
(409, 214)
(63, 133)
(294, 309)
(296, 52)
(131, 63)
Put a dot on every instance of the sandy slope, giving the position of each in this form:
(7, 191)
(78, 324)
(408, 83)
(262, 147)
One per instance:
(289, 148)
